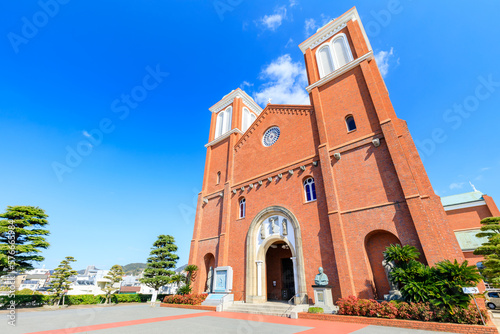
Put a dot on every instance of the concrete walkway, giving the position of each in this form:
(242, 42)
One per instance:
(145, 319)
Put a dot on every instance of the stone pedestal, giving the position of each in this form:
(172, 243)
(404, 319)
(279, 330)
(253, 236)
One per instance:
(221, 295)
(323, 298)
(393, 295)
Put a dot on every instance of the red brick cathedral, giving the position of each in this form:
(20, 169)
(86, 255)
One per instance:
(292, 188)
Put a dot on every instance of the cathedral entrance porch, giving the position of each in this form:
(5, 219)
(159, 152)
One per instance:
(275, 263)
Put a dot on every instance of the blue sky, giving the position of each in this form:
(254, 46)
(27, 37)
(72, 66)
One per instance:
(66, 76)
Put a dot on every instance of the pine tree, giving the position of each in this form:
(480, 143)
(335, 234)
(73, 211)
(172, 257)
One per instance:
(162, 259)
(490, 250)
(114, 276)
(60, 283)
(22, 238)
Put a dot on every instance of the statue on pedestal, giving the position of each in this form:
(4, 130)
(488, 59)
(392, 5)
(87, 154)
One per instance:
(321, 278)
(285, 227)
(394, 293)
(210, 280)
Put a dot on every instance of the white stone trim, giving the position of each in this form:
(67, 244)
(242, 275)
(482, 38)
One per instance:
(229, 98)
(464, 205)
(332, 28)
(335, 74)
(224, 136)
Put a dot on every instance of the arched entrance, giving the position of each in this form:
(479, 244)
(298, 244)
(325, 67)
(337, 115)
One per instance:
(280, 283)
(375, 244)
(273, 226)
(209, 261)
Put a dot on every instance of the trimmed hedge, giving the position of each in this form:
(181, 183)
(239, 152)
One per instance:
(316, 310)
(39, 300)
(192, 299)
(409, 311)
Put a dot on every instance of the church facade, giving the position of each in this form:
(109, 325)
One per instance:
(292, 188)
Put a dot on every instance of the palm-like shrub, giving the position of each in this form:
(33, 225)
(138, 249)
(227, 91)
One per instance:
(401, 255)
(440, 285)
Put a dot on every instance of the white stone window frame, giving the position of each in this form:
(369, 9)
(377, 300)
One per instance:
(223, 123)
(333, 56)
(247, 119)
(242, 207)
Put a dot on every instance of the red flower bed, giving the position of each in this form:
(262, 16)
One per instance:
(191, 299)
(408, 311)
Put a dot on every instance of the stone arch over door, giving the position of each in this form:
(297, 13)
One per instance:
(257, 246)
(375, 244)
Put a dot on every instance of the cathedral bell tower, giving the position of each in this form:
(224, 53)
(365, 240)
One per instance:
(352, 109)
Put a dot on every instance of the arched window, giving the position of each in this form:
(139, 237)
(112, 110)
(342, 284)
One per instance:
(310, 189)
(242, 207)
(220, 124)
(325, 62)
(341, 51)
(248, 118)
(223, 122)
(228, 114)
(218, 177)
(349, 121)
(333, 55)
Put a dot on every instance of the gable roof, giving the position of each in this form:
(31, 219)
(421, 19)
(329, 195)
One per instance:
(272, 108)
(465, 198)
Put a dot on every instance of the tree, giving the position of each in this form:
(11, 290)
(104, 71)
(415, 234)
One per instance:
(22, 238)
(192, 270)
(114, 276)
(490, 250)
(177, 279)
(401, 256)
(162, 259)
(60, 283)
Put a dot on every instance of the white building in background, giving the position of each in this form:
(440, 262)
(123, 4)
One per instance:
(91, 282)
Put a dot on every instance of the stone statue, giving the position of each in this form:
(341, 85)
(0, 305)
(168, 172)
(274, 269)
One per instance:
(274, 225)
(388, 267)
(285, 227)
(210, 280)
(394, 293)
(263, 231)
(321, 278)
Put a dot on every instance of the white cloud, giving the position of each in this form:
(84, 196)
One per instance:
(382, 59)
(245, 84)
(286, 82)
(293, 3)
(485, 169)
(289, 43)
(457, 185)
(273, 21)
(85, 133)
(311, 27)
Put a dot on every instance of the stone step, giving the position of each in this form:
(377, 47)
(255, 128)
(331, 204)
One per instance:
(275, 309)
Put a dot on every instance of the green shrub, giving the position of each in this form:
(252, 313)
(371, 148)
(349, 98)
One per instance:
(184, 290)
(315, 310)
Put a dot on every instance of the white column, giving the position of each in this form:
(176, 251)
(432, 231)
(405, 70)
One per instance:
(295, 280)
(259, 277)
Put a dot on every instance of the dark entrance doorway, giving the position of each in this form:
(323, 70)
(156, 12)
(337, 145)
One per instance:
(279, 272)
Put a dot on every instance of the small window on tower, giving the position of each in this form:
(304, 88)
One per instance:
(218, 177)
(310, 189)
(351, 125)
(242, 207)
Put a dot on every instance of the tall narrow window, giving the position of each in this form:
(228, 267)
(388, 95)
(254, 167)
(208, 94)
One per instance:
(242, 207)
(341, 51)
(220, 124)
(310, 189)
(228, 113)
(325, 62)
(218, 177)
(246, 119)
(351, 125)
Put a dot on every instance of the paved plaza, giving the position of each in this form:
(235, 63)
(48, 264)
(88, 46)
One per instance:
(145, 319)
